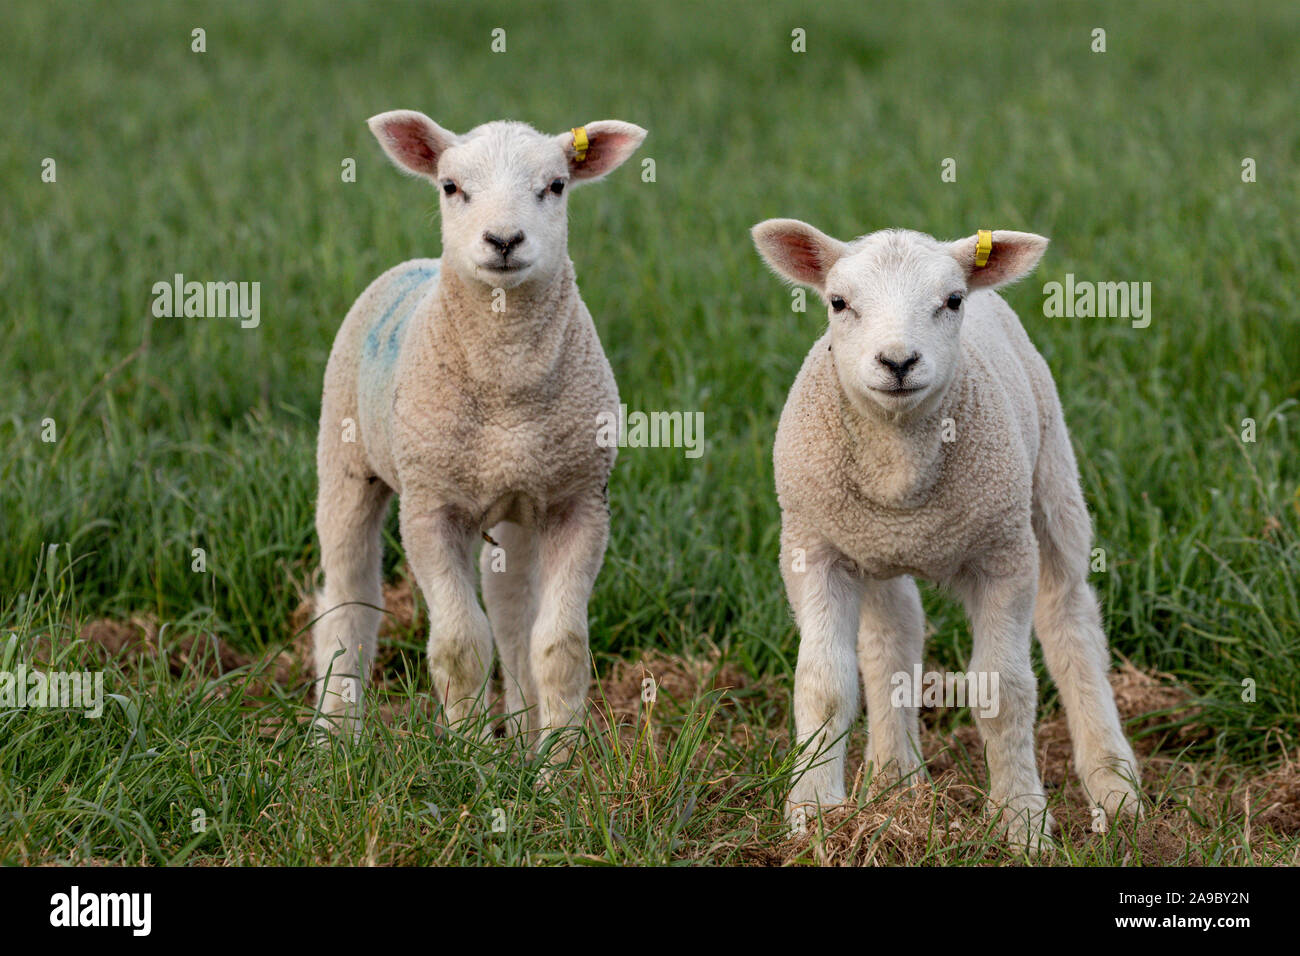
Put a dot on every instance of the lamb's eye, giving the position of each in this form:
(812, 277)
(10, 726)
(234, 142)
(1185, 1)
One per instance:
(954, 301)
(557, 187)
(449, 188)
(837, 303)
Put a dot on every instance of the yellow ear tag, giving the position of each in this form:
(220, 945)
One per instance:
(580, 143)
(982, 248)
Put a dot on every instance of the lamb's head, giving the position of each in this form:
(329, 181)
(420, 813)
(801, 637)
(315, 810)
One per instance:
(895, 300)
(503, 188)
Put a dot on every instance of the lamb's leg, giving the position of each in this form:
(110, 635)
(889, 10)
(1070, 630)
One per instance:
(891, 637)
(509, 573)
(1068, 624)
(1001, 611)
(438, 543)
(349, 521)
(824, 593)
(572, 547)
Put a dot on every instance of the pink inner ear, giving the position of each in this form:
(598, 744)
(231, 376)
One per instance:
(410, 139)
(604, 152)
(804, 254)
(1009, 260)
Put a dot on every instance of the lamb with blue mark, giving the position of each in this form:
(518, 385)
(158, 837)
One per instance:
(471, 387)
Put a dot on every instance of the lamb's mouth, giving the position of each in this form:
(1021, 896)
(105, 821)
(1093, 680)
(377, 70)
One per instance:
(505, 267)
(900, 391)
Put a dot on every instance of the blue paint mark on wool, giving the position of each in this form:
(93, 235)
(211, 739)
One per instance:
(385, 337)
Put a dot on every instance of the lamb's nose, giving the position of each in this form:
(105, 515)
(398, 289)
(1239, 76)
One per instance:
(900, 369)
(503, 245)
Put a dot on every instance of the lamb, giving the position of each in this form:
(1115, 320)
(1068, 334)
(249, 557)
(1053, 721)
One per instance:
(471, 386)
(923, 437)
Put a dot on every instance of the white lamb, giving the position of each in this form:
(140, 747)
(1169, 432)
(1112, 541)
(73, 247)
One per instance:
(924, 438)
(471, 386)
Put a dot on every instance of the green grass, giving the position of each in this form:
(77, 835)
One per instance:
(175, 434)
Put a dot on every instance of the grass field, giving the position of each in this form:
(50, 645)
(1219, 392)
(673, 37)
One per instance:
(175, 434)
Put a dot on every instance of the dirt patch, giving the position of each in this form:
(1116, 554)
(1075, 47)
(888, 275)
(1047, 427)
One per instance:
(677, 681)
(188, 656)
(1272, 799)
(401, 615)
(402, 619)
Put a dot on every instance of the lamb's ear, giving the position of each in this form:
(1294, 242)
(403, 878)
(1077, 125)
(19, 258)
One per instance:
(1010, 256)
(797, 251)
(412, 140)
(599, 148)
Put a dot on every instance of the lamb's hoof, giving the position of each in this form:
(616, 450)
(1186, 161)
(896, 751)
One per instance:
(548, 778)
(802, 810)
(797, 818)
(326, 728)
(556, 754)
(1030, 831)
(1114, 795)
